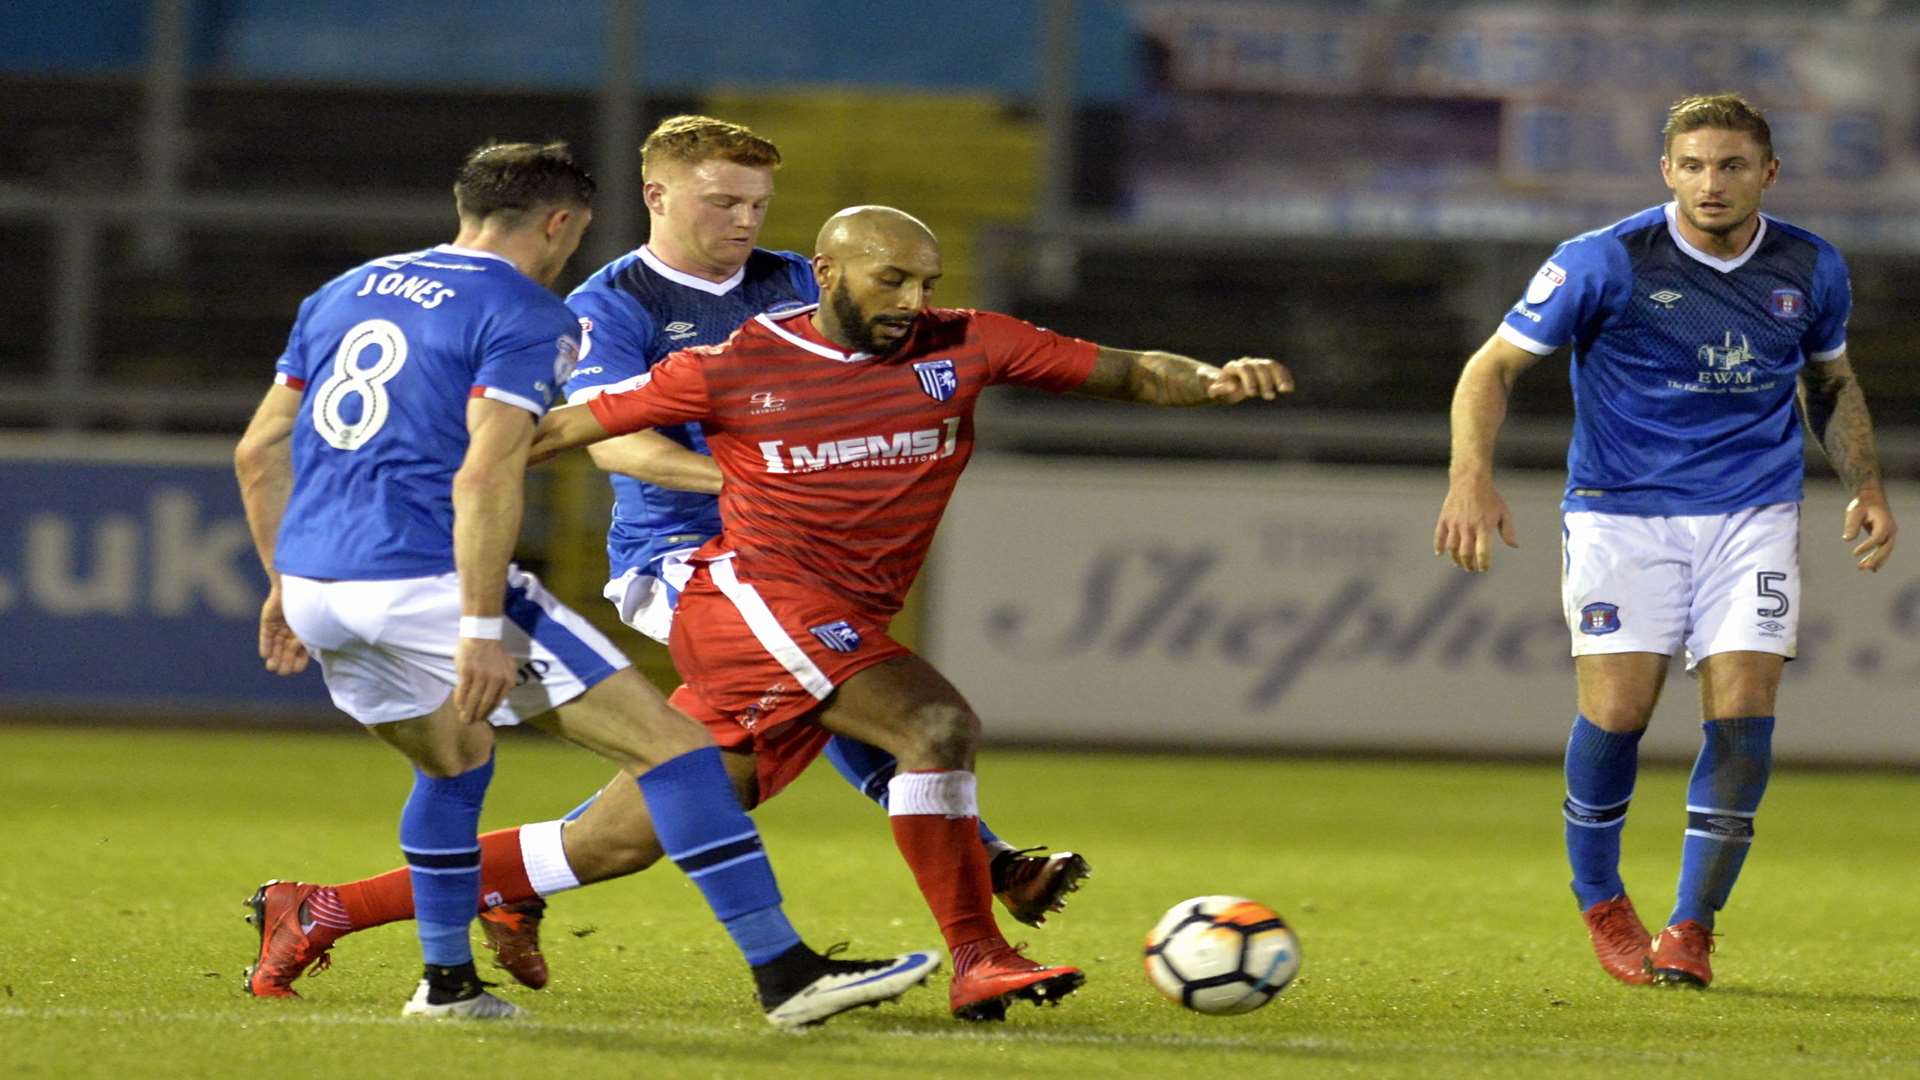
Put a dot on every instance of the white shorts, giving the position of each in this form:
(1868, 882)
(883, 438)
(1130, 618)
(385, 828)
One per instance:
(1713, 583)
(646, 600)
(386, 647)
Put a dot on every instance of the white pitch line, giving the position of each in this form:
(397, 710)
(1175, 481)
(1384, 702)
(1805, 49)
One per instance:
(530, 1021)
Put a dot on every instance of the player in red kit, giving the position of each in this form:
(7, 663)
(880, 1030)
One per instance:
(841, 430)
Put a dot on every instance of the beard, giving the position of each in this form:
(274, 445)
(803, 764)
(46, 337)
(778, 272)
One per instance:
(857, 328)
(1722, 227)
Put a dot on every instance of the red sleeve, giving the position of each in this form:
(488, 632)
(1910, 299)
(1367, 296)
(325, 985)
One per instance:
(673, 392)
(1022, 353)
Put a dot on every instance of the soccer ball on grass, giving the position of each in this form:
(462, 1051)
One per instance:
(1221, 955)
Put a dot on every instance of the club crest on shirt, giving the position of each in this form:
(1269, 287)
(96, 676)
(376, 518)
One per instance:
(1787, 303)
(839, 636)
(1599, 619)
(937, 378)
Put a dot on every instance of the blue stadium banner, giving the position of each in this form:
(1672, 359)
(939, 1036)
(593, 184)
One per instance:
(128, 582)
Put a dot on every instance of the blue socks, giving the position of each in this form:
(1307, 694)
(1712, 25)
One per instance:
(440, 837)
(870, 769)
(708, 836)
(1601, 766)
(1729, 778)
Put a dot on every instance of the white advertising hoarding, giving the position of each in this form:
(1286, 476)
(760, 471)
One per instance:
(1235, 605)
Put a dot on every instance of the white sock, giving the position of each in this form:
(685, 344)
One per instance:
(949, 793)
(545, 858)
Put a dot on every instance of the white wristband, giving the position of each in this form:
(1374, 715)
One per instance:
(481, 626)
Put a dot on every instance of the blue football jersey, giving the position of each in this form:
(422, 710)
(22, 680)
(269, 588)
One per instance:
(387, 355)
(1684, 364)
(633, 313)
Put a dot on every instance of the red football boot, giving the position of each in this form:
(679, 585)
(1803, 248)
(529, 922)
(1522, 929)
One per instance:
(513, 933)
(1620, 941)
(1679, 956)
(989, 976)
(1032, 886)
(287, 949)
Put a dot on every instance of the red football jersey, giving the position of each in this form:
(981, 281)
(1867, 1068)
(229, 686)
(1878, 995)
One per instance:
(838, 466)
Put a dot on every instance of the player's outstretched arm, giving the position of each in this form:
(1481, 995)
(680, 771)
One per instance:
(1474, 511)
(1162, 378)
(488, 498)
(563, 429)
(1836, 412)
(652, 458)
(263, 462)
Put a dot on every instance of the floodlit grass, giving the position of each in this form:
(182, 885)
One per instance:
(1439, 935)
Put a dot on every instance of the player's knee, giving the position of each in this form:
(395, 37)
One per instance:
(1740, 701)
(443, 761)
(945, 733)
(1619, 715)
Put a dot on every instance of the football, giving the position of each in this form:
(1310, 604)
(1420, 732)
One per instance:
(1221, 955)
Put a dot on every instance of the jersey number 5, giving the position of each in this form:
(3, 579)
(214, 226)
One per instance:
(353, 379)
(1768, 579)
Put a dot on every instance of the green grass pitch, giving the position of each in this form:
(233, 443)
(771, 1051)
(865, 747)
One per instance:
(1439, 936)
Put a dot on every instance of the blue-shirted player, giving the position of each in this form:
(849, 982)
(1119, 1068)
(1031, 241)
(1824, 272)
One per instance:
(699, 277)
(1692, 324)
(383, 480)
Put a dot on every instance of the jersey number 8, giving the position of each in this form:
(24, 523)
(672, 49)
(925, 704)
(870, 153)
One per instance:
(367, 382)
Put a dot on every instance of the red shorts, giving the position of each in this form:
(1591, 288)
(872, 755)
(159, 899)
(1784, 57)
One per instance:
(758, 659)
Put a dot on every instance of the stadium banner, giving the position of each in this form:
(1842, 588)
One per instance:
(129, 584)
(1267, 607)
(1506, 120)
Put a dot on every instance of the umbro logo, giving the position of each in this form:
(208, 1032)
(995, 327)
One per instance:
(1665, 298)
(1772, 627)
(679, 331)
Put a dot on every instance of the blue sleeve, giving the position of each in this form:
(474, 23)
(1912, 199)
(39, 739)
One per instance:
(527, 352)
(1568, 293)
(616, 342)
(801, 268)
(291, 368)
(1826, 337)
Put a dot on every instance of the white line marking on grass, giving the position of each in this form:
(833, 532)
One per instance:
(533, 1022)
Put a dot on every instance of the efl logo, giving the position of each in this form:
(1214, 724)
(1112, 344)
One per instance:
(1787, 303)
(566, 358)
(1550, 277)
(1599, 619)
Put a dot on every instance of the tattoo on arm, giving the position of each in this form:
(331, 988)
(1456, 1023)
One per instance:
(1836, 413)
(1150, 378)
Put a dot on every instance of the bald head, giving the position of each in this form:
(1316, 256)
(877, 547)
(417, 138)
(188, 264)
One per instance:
(858, 230)
(876, 267)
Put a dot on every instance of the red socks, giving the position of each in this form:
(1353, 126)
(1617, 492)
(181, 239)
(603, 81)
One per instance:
(388, 897)
(936, 823)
